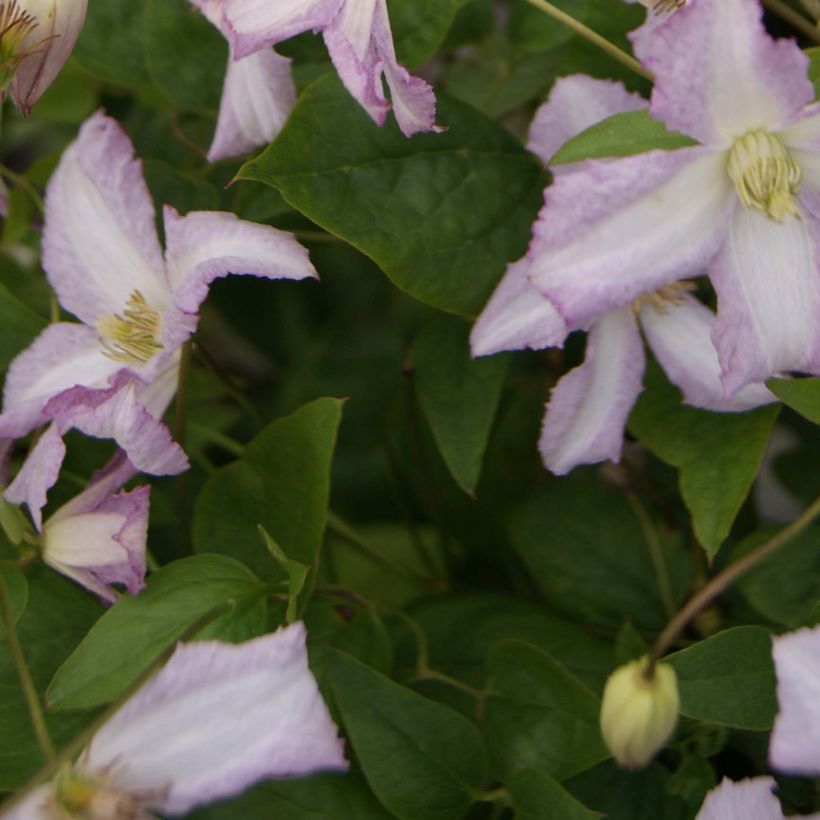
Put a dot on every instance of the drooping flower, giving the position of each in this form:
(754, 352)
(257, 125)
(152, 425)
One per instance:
(588, 409)
(795, 743)
(257, 96)
(215, 720)
(744, 205)
(114, 375)
(358, 36)
(36, 39)
(751, 799)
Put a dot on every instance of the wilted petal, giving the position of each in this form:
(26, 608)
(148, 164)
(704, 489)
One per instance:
(50, 43)
(741, 79)
(517, 316)
(616, 229)
(62, 356)
(254, 24)
(257, 97)
(680, 337)
(588, 408)
(745, 800)
(768, 292)
(206, 245)
(218, 718)
(795, 742)
(575, 104)
(100, 243)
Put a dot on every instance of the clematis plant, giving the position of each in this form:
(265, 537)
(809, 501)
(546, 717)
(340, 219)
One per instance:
(358, 36)
(589, 406)
(114, 375)
(751, 799)
(742, 205)
(216, 719)
(257, 96)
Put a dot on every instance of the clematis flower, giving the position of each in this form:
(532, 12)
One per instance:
(257, 96)
(795, 743)
(36, 39)
(743, 205)
(98, 538)
(216, 719)
(358, 36)
(589, 406)
(751, 799)
(114, 375)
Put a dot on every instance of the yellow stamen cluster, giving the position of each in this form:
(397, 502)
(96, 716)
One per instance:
(133, 337)
(663, 297)
(15, 26)
(79, 796)
(765, 175)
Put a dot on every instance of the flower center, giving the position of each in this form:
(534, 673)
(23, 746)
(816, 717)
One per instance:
(765, 175)
(132, 337)
(15, 26)
(663, 6)
(80, 796)
(664, 297)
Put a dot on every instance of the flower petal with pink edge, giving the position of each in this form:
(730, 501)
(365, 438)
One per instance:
(742, 800)
(794, 747)
(206, 245)
(34, 806)
(218, 718)
(587, 411)
(575, 104)
(100, 243)
(679, 334)
(517, 316)
(615, 229)
(257, 97)
(768, 291)
(742, 78)
(255, 24)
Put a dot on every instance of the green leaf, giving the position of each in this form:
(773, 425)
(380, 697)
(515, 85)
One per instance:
(184, 54)
(802, 395)
(441, 214)
(459, 395)
(538, 715)
(17, 590)
(18, 326)
(718, 454)
(537, 796)
(729, 679)
(622, 135)
(138, 629)
(530, 30)
(296, 573)
(422, 760)
(814, 67)
(420, 26)
(584, 547)
(281, 482)
(58, 614)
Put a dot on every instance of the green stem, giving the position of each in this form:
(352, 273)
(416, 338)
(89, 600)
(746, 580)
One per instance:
(793, 18)
(228, 444)
(593, 37)
(717, 585)
(27, 684)
(204, 358)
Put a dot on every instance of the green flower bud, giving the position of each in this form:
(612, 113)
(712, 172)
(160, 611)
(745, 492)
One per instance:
(638, 712)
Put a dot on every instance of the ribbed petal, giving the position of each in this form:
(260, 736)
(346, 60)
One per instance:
(680, 337)
(588, 408)
(616, 229)
(100, 243)
(218, 718)
(768, 291)
(205, 245)
(575, 104)
(62, 356)
(795, 742)
(257, 98)
(254, 24)
(741, 78)
(745, 800)
(517, 316)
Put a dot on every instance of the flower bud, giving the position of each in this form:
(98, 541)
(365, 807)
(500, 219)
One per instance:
(36, 39)
(639, 712)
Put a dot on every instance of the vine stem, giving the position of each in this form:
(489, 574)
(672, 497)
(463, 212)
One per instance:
(717, 585)
(26, 682)
(793, 18)
(593, 37)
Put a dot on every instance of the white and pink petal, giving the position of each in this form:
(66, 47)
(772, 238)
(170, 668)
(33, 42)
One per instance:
(752, 799)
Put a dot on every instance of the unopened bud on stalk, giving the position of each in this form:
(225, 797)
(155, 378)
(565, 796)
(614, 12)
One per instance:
(639, 712)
